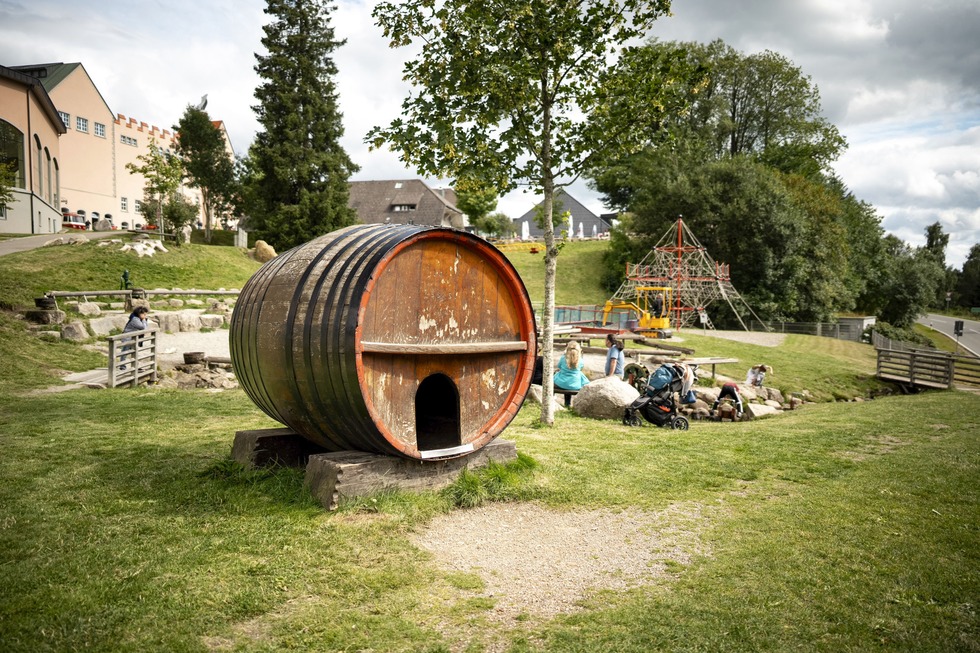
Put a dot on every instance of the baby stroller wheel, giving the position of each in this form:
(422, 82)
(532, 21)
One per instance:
(631, 418)
(680, 423)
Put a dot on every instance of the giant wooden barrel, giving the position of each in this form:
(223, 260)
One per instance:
(392, 339)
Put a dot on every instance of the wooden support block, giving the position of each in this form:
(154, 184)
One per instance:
(336, 475)
(265, 447)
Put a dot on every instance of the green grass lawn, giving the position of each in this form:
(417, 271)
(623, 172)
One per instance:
(579, 270)
(26, 275)
(124, 526)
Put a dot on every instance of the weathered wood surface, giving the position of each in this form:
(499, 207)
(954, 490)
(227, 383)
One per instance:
(916, 368)
(132, 358)
(391, 339)
(267, 447)
(332, 477)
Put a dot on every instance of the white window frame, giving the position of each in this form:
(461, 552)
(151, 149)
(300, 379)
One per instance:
(65, 118)
(81, 124)
(137, 205)
(99, 130)
(124, 205)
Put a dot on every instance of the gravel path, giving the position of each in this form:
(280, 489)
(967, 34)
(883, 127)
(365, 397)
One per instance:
(540, 562)
(171, 346)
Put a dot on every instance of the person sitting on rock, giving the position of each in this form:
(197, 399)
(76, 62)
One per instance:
(729, 390)
(569, 375)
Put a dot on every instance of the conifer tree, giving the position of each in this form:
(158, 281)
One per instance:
(301, 171)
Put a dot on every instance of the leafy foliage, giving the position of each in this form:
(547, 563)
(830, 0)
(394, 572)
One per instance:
(298, 170)
(968, 284)
(528, 92)
(163, 175)
(208, 164)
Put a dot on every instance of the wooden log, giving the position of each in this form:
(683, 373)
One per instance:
(267, 447)
(334, 476)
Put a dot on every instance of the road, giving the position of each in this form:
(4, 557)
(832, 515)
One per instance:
(25, 243)
(970, 340)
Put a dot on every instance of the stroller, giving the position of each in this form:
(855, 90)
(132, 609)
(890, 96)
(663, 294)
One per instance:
(657, 404)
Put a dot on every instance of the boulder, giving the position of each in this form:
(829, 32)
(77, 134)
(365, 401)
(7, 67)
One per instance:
(74, 331)
(773, 394)
(189, 321)
(263, 251)
(133, 303)
(753, 411)
(89, 309)
(167, 322)
(175, 303)
(211, 321)
(103, 326)
(536, 393)
(45, 317)
(605, 398)
(774, 404)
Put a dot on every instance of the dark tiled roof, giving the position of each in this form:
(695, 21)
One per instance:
(49, 74)
(400, 201)
(36, 88)
(580, 216)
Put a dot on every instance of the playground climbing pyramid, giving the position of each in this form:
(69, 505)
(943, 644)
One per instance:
(680, 262)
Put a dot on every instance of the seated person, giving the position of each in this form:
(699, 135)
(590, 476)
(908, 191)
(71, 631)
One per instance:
(569, 375)
(756, 375)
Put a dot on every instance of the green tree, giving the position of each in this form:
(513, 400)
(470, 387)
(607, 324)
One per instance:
(759, 105)
(301, 171)
(476, 199)
(208, 163)
(162, 175)
(494, 225)
(907, 284)
(8, 177)
(968, 284)
(528, 92)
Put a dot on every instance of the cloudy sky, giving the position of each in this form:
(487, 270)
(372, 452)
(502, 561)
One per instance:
(900, 79)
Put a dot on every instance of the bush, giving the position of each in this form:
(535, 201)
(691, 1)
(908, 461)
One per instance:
(219, 237)
(896, 333)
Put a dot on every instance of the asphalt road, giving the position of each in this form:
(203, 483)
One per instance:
(22, 244)
(970, 340)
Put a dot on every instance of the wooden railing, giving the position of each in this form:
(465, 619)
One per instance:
(931, 369)
(133, 358)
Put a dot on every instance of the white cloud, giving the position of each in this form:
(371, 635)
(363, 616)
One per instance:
(900, 78)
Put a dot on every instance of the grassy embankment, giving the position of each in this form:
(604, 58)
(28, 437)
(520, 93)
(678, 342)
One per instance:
(123, 526)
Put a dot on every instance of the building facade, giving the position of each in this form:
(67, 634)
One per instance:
(93, 147)
(30, 131)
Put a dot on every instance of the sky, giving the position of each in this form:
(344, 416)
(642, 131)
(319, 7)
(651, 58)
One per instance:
(899, 78)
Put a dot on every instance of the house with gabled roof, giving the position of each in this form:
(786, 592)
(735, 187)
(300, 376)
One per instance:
(583, 223)
(404, 201)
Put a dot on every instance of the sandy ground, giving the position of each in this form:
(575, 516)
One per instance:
(171, 346)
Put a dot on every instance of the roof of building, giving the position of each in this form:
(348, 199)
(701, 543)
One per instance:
(36, 88)
(52, 74)
(400, 201)
(581, 215)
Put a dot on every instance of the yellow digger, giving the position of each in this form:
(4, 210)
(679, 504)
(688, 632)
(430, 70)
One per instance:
(652, 307)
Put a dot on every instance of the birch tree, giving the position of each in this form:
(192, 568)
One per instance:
(528, 93)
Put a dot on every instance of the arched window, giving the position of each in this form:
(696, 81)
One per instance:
(47, 158)
(40, 168)
(12, 152)
(57, 184)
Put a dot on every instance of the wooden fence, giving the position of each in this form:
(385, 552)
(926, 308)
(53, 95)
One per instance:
(133, 358)
(928, 368)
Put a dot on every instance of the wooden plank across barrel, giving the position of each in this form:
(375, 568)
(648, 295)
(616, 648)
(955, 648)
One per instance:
(392, 339)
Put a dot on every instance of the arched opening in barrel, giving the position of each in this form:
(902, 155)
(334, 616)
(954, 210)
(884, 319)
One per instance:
(437, 414)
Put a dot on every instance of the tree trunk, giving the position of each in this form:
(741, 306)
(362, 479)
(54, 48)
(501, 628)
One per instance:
(550, 265)
(206, 203)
